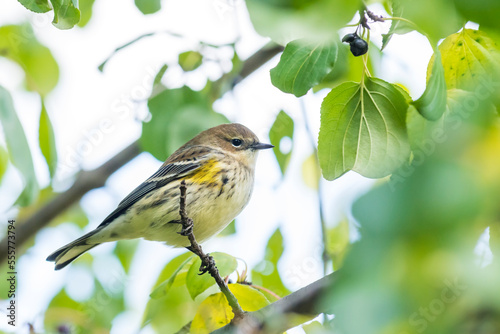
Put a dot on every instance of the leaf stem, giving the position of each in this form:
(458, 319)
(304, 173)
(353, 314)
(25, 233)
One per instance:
(365, 57)
(258, 287)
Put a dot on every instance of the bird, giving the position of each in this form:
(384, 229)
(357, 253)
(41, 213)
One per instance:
(217, 167)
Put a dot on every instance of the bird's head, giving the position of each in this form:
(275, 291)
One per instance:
(234, 139)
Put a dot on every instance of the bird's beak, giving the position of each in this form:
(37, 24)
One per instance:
(261, 146)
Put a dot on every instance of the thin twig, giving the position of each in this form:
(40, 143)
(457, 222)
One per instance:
(140, 37)
(207, 262)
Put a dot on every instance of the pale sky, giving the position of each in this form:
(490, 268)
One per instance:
(84, 97)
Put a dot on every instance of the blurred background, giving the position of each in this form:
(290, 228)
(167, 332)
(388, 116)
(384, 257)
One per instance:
(97, 109)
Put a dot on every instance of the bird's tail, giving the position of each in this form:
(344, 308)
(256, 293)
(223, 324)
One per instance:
(66, 254)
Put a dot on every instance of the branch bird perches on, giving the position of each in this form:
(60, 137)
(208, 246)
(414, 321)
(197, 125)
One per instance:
(207, 262)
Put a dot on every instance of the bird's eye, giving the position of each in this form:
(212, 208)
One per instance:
(236, 142)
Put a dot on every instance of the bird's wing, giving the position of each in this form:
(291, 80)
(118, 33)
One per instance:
(171, 170)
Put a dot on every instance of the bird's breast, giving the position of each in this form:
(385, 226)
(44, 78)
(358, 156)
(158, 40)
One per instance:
(215, 195)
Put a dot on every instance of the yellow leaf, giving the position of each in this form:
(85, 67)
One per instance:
(215, 312)
(310, 172)
(469, 58)
(338, 242)
(482, 156)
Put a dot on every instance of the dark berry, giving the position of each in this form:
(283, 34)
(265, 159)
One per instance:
(359, 47)
(349, 38)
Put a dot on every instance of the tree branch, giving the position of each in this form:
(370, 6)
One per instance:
(274, 318)
(207, 262)
(88, 180)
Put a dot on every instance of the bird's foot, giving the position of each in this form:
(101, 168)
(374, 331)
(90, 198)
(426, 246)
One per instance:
(207, 264)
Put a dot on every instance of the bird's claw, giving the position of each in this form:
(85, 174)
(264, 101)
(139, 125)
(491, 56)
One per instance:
(187, 229)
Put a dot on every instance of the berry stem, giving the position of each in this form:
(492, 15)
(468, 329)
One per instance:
(365, 56)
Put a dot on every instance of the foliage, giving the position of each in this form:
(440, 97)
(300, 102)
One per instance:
(215, 312)
(170, 107)
(303, 65)
(431, 227)
(413, 269)
(19, 151)
(363, 129)
(89, 316)
(282, 129)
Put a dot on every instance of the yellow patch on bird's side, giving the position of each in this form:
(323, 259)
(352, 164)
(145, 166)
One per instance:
(206, 173)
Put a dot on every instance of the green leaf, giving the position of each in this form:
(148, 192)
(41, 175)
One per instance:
(158, 87)
(363, 129)
(62, 309)
(397, 26)
(85, 7)
(424, 135)
(420, 129)
(18, 43)
(168, 312)
(315, 327)
(74, 214)
(4, 162)
(428, 17)
(282, 128)
(37, 6)
(303, 65)
(435, 213)
(148, 6)
(197, 284)
(284, 20)
(250, 299)
(169, 274)
(162, 135)
(18, 148)
(190, 60)
(135, 40)
(215, 312)
(47, 141)
(484, 12)
(274, 247)
(432, 103)
(125, 251)
(266, 273)
(66, 13)
(471, 60)
(157, 80)
(93, 315)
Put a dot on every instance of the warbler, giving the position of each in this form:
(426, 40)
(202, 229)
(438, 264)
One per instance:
(217, 166)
